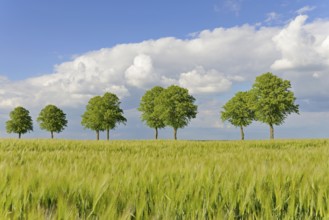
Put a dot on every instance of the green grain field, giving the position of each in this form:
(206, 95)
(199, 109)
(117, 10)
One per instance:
(59, 179)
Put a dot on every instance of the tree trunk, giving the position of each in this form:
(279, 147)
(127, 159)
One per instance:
(107, 134)
(271, 132)
(52, 134)
(242, 133)
(19, 135)
(156, 133)
(97, 135)
(175, 133)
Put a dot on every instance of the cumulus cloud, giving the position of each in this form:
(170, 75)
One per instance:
(304, 59)
(300, 47)
(201, 81)
(141, 73)
(227, 55)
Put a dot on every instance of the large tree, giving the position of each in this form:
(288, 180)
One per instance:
(176, 107)
(238, 111)
(52, 119)
(147, 108)
(20, 121)
(93, 117)
(273, 100)
(112, 113)
(103, 113)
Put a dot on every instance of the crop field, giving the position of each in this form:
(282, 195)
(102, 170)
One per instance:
(62, 179)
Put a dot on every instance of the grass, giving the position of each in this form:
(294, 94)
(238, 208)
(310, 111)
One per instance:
(59, 179)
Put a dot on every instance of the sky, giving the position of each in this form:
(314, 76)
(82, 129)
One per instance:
(64, 52)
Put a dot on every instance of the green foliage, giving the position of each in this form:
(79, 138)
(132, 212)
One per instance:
(273, 99)
(103, 113)
(164, 179)
(147, 108)
(175, 107)
(238, 110)
(92, 118)
(113, 114)
(20, 121)
(52, 119)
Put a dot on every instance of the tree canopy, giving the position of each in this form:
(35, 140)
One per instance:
(52, 119)
(112, 113)
(92, 118)
(147, 108)
(273, 101)
(175, 107)
(103, 113)
(238, 111)
(20, 121)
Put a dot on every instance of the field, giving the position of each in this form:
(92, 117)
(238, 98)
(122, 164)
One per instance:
(59, 179)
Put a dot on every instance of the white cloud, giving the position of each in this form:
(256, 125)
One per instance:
(231, 55)
(304, 60)
(201, 81)
(305, 9)
(141, 73)
(272, 17)
(236, 78)
(3, 79)
(300, 48)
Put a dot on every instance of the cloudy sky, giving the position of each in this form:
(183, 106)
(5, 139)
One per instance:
(64, 52)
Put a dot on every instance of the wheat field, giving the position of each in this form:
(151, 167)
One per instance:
(66, 179)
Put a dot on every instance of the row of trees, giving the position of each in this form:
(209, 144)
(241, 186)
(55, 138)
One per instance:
(269, 101)
(103, 113)
(50, 118)
(160, 107)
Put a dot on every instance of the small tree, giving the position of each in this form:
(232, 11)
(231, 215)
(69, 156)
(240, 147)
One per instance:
(52, 119)
(238, 111)
(273, 100)
(112, 113)
(175, 107)
(93, 117)
(147, 108)
(20, 122)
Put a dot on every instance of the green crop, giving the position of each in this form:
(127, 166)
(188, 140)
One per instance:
(62, 179)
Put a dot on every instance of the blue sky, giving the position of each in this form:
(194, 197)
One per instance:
(52, 46)
(38, 34)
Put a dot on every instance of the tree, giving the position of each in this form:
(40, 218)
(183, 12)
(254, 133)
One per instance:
(52, 119)
(175, 107)
(92, 118)
(147, 108)
(273, 100)
(103, 113)
(238, 111)
(20, 121)
(112, 113)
